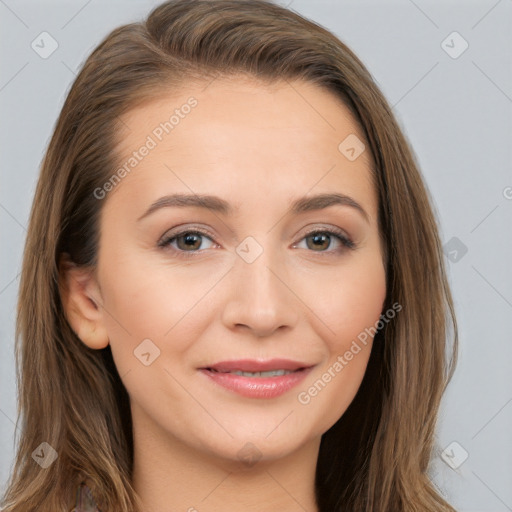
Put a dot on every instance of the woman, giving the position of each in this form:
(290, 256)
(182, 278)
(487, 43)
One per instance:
(185, 341)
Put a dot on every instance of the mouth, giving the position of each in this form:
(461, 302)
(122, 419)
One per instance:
(258, 366)
(256, 378)
(269, 373)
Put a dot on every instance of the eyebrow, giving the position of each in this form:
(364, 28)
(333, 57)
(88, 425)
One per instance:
(216, 204)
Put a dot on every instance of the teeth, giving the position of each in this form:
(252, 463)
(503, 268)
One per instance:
(270, 373)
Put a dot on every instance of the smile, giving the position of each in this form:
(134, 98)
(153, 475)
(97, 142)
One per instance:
(270, 373)
(256, 378)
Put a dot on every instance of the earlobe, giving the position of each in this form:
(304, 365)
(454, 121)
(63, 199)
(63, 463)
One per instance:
(81, 300)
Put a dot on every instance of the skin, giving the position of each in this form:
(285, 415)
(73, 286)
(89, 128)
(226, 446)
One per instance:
(259, 147)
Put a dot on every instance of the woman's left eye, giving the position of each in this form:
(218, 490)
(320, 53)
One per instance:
(320, 237)
(191, 241)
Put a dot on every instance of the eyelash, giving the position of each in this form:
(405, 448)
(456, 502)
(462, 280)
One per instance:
(340, 235)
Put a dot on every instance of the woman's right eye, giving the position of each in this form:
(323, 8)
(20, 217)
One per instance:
(186, 241)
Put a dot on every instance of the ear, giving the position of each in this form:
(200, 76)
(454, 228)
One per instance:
(82, 302)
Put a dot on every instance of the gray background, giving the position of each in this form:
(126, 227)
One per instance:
(456, 112)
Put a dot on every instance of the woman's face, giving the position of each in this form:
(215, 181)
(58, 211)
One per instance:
(193, 293)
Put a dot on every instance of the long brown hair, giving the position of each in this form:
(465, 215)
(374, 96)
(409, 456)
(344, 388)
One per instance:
(376, 457)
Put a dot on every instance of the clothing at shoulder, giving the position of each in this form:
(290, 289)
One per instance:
(84, 500)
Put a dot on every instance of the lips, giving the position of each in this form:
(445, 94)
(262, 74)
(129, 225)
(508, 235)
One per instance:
(257, 379)
(258, 366)
(269, 373)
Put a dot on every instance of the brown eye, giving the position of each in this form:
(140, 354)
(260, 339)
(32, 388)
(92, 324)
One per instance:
(190, 241)
(319, 241)
(186, 241)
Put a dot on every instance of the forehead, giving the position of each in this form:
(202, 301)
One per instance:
(237, 136)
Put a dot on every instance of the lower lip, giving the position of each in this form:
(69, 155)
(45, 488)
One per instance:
(257, 387)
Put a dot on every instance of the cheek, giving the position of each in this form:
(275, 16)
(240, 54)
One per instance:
(354, 300)
(160, 302)
(351, 310)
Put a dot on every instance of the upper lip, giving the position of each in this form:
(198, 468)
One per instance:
(257, 365)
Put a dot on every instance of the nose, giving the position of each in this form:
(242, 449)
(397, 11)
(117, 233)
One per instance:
(261, 298)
